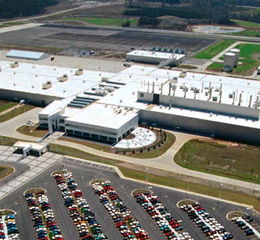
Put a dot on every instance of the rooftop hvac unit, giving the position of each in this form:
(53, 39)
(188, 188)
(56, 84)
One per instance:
(63, 78)
(14, 65)
(174, 80)
(183, 74)
(104, 79)
(47, 85)
(79, 72)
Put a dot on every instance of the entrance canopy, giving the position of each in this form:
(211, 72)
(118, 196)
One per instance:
(26, 147)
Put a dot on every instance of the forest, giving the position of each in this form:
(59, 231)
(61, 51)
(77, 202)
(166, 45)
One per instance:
(22, 8)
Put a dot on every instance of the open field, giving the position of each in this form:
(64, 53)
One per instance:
(103, 21)
(34, 131)
(239, 161)
(213, 50)
(252, 28)
(246, 23)
(5, 171)
(249, 56)
(15, 112)
(4, 105)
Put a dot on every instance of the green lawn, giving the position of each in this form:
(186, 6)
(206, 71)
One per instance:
(102, 21)
(249, 56)
(5, 105)
(248, 33)
(34, 131)
(214, 50)
(252, 28)
(239, 161)
(15, 112)
(241, 23)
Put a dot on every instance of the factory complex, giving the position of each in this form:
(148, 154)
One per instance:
(108, 106)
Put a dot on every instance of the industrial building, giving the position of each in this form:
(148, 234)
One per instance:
(107, 106)
(144, 56)
(19, 54)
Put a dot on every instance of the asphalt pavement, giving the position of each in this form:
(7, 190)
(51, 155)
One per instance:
(83, 174)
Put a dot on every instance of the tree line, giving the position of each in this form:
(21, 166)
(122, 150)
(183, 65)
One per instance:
(206, 11)
(22, 8)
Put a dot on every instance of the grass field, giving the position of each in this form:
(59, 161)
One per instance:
(227, 159)
(252, 28)
(214, 50)
(34, 131)
(249, 56)
(102, 21)
(15, 112)
(241, 23)
(4, 105)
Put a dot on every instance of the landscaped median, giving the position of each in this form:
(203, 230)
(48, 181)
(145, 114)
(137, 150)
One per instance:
(163, 142)
(5, 171)
(34, 131)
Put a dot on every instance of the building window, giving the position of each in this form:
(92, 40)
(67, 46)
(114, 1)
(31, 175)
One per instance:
(141, 94)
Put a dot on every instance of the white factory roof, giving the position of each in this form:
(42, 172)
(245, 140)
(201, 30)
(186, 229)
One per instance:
(30, 77)
(26, 54)
(32, 145)
(105, 116)
(153, 54)
(208, 116)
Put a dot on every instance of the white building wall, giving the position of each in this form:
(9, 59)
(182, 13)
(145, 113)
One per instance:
(217, 129)
(209, 106)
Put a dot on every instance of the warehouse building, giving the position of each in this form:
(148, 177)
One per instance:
(108, 106)
(19, 54)
(144, 56)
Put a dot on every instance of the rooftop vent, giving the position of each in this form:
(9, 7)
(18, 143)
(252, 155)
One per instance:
(79, 72)
(183, 74)
(47, 85)
(14, 65)
(63, 78)
(104, 79)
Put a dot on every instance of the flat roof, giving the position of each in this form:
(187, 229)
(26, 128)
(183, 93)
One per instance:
(25, 54)
(32, 145)
(30, 77)
(153, 54)
(103, 115)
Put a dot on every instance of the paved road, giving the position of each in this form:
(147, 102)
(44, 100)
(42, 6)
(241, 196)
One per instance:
(8, 128)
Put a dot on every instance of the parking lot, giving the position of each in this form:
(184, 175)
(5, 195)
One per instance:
(122, 40)
(83, 174)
